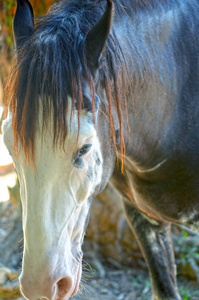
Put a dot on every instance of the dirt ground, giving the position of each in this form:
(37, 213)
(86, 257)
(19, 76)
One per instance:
(127, 284)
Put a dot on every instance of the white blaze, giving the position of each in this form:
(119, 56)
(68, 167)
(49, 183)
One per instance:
(54, 197)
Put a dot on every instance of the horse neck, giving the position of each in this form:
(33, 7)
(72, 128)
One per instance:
(150, 68)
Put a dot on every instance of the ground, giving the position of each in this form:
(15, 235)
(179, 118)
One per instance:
(127, 284)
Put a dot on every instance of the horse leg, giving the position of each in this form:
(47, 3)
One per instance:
(155, 241)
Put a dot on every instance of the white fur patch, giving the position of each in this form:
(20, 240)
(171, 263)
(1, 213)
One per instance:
(55, 198)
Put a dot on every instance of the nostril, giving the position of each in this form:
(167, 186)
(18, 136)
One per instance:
(64, 286)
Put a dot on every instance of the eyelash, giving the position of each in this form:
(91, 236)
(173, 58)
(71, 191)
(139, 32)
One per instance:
(83, 150)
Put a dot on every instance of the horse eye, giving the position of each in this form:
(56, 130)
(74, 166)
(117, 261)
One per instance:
(82, 151)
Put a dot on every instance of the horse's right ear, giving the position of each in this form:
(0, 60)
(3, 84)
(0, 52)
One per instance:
(23, 24)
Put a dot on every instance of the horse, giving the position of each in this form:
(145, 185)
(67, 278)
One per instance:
(104, 90)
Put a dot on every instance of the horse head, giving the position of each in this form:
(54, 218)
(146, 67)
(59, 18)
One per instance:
(56, 192)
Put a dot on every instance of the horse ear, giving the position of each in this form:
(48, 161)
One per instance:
(97, 36)
(23, 24)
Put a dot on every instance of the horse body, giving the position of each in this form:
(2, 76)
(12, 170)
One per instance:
(164, 136)
(145, 100)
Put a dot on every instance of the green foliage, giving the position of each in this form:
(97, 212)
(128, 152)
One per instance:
(188, 294)
(187, 251)
(187, 254)
(142, 284)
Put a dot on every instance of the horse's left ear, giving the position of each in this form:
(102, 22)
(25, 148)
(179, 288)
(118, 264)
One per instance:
(97, 36)
(23, 24)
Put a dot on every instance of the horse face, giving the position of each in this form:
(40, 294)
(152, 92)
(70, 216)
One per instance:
(56, 197)
(56, 193)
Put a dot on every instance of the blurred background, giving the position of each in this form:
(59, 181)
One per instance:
(109, 244)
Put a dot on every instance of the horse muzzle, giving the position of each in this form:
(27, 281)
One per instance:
(49, 286)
